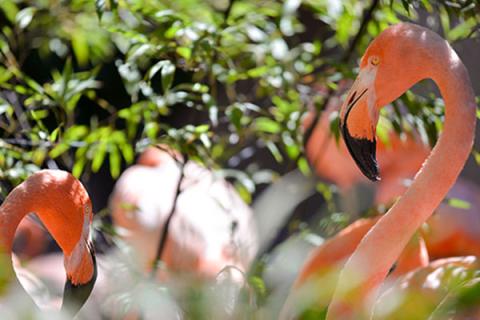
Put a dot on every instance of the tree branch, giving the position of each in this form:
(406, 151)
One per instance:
(163, 238)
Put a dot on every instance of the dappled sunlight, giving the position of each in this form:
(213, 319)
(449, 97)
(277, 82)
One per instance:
(239, 159)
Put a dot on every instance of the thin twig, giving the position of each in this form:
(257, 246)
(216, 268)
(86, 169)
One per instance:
(227, 12)
(163, 238)
(12, 98)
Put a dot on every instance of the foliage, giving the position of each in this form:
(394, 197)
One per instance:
(88, 85)
(240, 70)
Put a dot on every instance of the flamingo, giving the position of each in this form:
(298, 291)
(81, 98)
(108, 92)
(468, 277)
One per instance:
(63, 205)
(212, 226)
(423, 54)
(450, 231)
(317, 277)
(421, 293)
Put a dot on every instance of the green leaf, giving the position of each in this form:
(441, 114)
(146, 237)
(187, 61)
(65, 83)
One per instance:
(284, 106)
(459, 203)
(33, 84)
(115, 161)
(76, 132)
(461, 30)
(24, 17)
(274, 151)
(184, 52)
(476, 156)
(78, 167)
(10, 9)
(267, 125)
(127, 152)
(168, 71)
(202, 128)
(156, 67)
(304, 167)
(5, 108)
(243, 192)
(80, 46)
(258, 71)
(58, 150)
(39, 114)
(5, 74)
(54, 134)
(99, 156)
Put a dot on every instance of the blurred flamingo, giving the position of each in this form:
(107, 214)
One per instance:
(212, 226)
(419, 294)
(318, 276)
(455, 231)
(336, 250)
(63, 205)
(381, 80)
(30, 240)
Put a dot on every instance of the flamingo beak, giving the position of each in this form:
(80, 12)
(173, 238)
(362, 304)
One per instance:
(75, 296)
(358, 120)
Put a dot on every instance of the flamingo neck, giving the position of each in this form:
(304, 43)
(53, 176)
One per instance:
(368, 266)
(15, 207)
(12, 211)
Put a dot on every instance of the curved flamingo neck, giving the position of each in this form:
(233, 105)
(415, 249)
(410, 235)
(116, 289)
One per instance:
(368, 266)
(62, 204)
(15, 207)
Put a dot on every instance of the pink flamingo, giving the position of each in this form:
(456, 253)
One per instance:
(419, 293)
(450, 232)
(400, 56)
(62, 204)
(212, 226)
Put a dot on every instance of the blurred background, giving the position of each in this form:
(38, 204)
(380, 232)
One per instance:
(242, 99)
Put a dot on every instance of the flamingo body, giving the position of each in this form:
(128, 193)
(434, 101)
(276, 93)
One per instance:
(212, 227)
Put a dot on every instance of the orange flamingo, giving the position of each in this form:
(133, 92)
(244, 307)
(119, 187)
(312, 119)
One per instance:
(423, 54)
(212, 226)
(62, 204)
(451, 231)
(381, 80)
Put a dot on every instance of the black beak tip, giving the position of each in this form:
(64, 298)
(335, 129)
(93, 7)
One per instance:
(363, 151)
(373, 176)
(75, 296)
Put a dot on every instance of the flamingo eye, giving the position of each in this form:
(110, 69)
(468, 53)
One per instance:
(374, 60)
(87, 209)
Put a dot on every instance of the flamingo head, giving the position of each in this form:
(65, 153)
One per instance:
(81, 266)
(63, 205)
(75, 294)
(392, 63)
